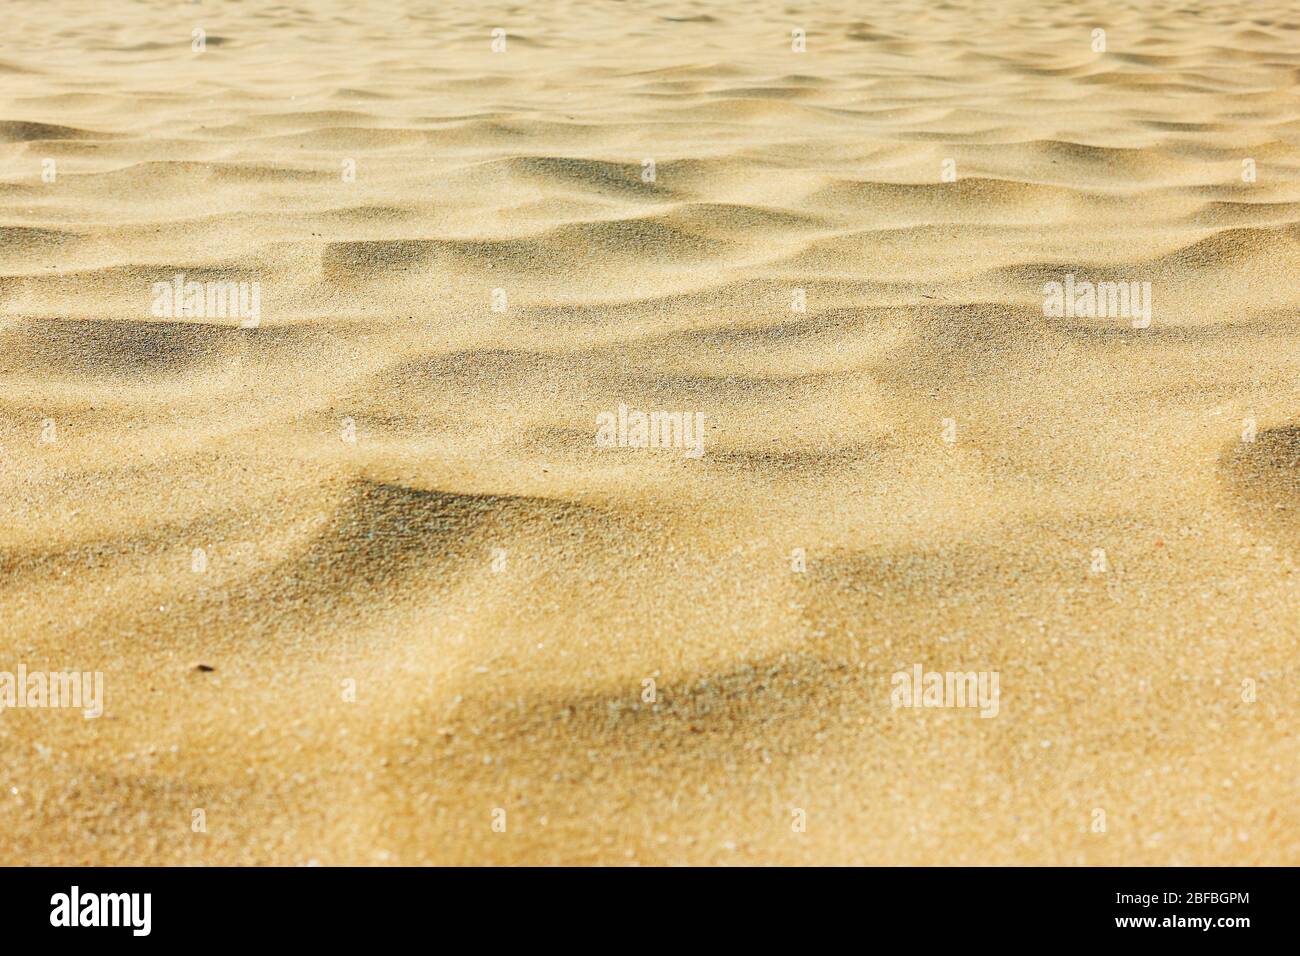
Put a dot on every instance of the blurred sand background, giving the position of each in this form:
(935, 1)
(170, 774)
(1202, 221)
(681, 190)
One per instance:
(521, 687)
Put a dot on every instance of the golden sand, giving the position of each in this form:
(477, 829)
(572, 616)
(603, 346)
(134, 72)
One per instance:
(430, 608)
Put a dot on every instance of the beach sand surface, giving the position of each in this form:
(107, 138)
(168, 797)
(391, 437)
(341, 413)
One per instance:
(362, 586)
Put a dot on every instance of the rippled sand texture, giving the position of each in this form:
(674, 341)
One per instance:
(515, 679)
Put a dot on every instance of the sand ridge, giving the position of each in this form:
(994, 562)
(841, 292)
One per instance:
(426, 595)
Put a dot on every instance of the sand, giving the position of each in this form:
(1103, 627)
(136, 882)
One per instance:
(431, 621)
